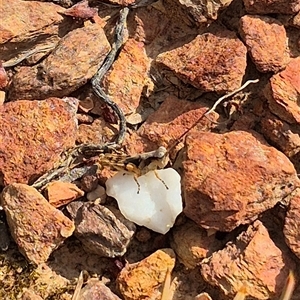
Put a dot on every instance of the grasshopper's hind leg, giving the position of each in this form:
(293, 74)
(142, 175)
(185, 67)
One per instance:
(157, 176)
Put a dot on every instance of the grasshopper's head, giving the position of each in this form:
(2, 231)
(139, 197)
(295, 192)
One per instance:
(161, 152)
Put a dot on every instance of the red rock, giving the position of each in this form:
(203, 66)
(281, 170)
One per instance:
(102, 230)
(296, 20)
(36, 226)
(143, 280)
(148, 24)
(283, 92)
(31, 32)
(33, 134)
(60, 193)
(192, 244)
(265, 38)
(229, 179)
(30, 295)
(81, 10)
(173, 118)
(96, 133)
(3, 77)
(292, 223)
(72, 63)
(127, 78)
(194, 13)
(209, 62)
(253, 263)
(272, 6)
(19, 23)
(286, 137)
(95, 289)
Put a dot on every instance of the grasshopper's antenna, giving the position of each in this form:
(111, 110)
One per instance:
(209, 111)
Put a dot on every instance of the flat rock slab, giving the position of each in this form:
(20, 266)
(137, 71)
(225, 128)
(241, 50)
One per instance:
(71, 64)
(21, 18)
(209, 62)
(265, 38)
(35, 225)
(33, 134)
(231, 178)
(127, 78)
(252, 263)
(283, 93)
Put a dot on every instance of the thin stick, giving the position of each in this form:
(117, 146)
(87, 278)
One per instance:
(209, 111)
(289, 287)
(78, 287)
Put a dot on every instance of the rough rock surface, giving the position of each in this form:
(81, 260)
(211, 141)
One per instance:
(85, 48)
(252, 263)
(196, 12)
(37, 23)
(272, 6)
(167, 124)
(229, 179)
(96, 133)
(292, 223)
(258, 33)
(33, 134)
(60, 193)
(36, 226)
(283, 92)
(127, 78)
(209, 62)
(103, 231)
(286, 137)
(95, 289)
(192, 244)
(30, 295)
(143, 280)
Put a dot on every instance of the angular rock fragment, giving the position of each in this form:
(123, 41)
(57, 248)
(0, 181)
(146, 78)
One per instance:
(272, 6)
(30, 295)
(71, 64)
(265, 38)
(33, 134)
(3, 77)
(192, 244)
(127, 78)
(60, 193)
(102, 231)
(96, 133)
(173, 118)
(229, 179)
(36, 226)
(286, 137)
(143, 280)
(95, 289)
(253, 263)
(209, 62)
(283, 92)
(34, 17)
(194, 12)
(292, 223)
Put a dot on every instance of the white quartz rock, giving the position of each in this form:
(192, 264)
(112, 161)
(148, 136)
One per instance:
(156, 205)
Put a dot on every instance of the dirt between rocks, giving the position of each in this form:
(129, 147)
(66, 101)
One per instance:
(239, 233)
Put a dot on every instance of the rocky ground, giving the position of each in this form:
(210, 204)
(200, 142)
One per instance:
(238, 235)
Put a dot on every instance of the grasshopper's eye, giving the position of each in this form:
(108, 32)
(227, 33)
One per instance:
(161, 152)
